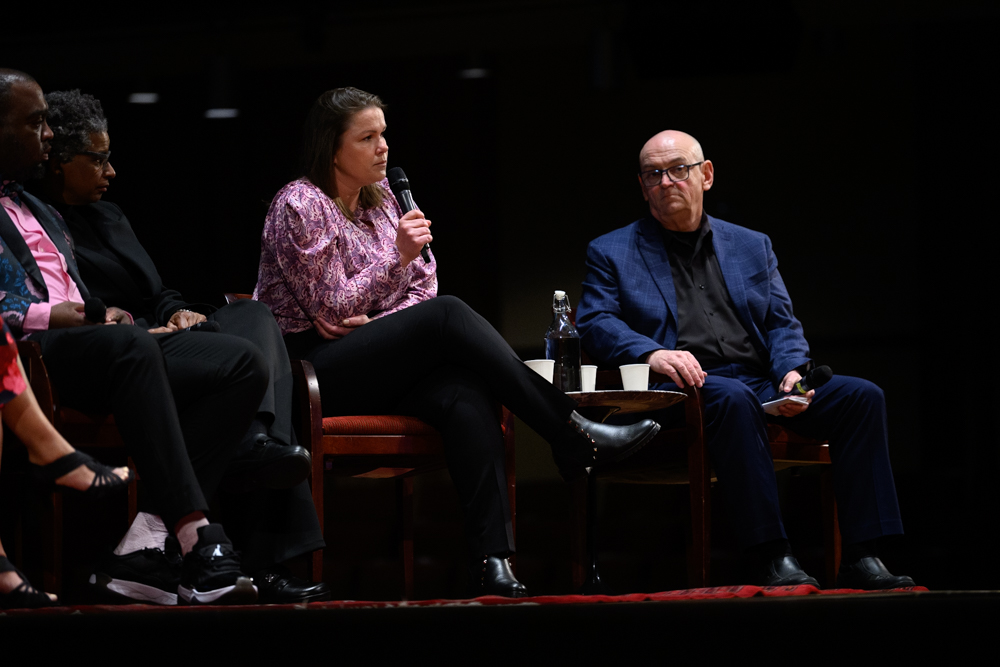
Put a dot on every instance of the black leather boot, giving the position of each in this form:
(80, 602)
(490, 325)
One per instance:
(606, 443)
(491, 575)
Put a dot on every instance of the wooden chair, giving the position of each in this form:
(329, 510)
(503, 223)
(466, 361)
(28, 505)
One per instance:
(679, 456)
(375, 447)
(82, 430)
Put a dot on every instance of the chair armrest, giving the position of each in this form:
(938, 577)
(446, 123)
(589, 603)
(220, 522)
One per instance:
(233, 297)
(307, 406)
(693, 417)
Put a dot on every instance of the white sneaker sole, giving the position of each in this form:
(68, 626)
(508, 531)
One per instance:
(243, 592)
(134, 590)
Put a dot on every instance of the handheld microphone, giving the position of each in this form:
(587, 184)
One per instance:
(94, 310)
(400, 186)
(817, 377)
(207, 325)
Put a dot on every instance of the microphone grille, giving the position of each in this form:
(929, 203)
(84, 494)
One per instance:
(397, 180)
(820, 376)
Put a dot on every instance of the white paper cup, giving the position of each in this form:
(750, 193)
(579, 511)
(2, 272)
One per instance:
(589, 377)
(635, 377)
(543, 367)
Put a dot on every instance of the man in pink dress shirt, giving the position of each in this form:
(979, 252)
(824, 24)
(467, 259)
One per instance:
(166, 391)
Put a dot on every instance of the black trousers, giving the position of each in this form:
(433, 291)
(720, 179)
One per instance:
(848, 411)
(268, 526)
(252, 321)
(182, 401)
(443, 363)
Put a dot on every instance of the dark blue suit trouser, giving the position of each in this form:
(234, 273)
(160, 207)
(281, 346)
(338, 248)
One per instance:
(847, 411)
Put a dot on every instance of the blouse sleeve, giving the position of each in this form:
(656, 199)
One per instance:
(313, 257)
(422, 287)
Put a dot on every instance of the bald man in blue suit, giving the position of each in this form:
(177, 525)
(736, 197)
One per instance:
(701, 301)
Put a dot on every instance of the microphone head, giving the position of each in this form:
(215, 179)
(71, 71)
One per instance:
(94, 310)
(818, 377)
(397, 181)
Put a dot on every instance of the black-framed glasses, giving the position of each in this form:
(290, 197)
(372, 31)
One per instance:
(100, 159)
(676, 174)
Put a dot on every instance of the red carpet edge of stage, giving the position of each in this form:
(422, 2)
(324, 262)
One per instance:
(716, 593)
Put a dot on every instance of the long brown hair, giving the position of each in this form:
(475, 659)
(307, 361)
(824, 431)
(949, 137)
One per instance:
(327, 121)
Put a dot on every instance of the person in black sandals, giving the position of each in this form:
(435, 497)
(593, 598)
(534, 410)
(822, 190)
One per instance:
(265, 501)
(53, 460)
(167, 413)
(342, 272)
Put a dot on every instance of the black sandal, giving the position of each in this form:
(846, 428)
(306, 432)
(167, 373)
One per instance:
(24, 596)
(105, 481)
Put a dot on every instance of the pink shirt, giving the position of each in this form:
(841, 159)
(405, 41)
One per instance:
(314, 262)
(50, 262)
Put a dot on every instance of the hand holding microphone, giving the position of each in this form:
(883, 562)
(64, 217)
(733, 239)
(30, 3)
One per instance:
(412, 236)
(797, 393)
(413, 227)
(817, 377)
(94, 310)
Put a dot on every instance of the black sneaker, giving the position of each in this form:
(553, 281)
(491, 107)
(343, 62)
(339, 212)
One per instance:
(148, 575)
(211, 572)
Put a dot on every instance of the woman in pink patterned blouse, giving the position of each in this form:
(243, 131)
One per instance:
(341, 270)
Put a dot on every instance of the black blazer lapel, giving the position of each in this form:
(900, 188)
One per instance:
(60, 237)
(15, 243)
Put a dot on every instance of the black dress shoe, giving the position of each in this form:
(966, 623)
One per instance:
(785, 571)
(869, 574)
(609, 443)
(270, 465)
(276, 585)
(492, 576)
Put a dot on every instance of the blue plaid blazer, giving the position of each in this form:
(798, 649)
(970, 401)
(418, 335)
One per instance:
(629, 308)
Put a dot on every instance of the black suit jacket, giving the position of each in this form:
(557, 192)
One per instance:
(118, 269)
(21, 281)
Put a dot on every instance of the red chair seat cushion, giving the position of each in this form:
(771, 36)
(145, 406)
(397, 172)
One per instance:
(376, 425)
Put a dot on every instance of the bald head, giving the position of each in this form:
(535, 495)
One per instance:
(679, 175)
(8, 77)
(671, 140)
(24, 134)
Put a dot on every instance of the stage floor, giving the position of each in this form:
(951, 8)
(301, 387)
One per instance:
(708, 622)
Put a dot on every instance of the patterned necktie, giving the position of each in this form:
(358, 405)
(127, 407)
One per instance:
(12, 189)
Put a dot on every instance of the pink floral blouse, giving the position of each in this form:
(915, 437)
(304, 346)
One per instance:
(314, 262)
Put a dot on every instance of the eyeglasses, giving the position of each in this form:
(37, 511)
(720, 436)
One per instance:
(676, 174)
(100, 159)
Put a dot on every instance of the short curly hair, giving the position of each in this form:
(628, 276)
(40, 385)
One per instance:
(73, 116)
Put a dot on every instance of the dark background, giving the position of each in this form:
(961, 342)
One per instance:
(860, 136)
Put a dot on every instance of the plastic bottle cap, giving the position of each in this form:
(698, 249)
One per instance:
(560, 294)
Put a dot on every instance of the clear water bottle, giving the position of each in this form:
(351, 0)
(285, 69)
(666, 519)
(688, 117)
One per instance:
(562, 344)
